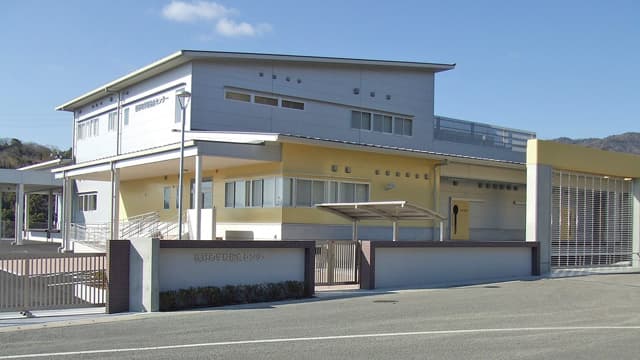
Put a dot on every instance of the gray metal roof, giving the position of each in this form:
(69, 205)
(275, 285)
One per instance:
(184, 56)
(380, 210)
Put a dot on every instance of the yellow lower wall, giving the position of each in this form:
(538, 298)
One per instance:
(316, 162)
(302, 161)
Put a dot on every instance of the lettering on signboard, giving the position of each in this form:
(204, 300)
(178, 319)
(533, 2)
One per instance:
(227, 257)
(151, 103)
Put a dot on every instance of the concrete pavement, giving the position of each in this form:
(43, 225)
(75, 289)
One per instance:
(579, 318)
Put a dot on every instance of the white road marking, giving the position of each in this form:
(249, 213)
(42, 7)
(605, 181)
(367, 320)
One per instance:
(321, 338)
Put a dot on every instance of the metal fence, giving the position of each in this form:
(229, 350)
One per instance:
(592, 221)
(469, 132)
(54, 281)
(337, 262)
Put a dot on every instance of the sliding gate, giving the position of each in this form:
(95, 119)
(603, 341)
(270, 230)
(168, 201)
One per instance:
(592, 219)
(52, 281)
(337, 262)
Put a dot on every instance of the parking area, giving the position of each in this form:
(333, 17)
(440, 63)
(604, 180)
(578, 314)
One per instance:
(580, 317)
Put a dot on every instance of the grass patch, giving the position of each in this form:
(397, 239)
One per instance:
(209, 296)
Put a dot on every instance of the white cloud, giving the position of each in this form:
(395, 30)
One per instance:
(210, 11)
(182, 11)
(228, 27)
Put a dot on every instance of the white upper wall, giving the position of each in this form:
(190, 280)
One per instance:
(151, 109)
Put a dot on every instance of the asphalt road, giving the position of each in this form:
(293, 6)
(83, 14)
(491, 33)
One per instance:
(594, 317)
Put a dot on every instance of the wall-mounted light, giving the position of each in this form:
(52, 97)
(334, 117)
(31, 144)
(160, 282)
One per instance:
(347, 169)
(627, 179)
(356, 91)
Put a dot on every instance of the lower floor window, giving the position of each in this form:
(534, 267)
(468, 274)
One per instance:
(292, 192)
(87, 201)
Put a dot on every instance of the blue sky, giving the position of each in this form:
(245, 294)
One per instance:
(559, 68)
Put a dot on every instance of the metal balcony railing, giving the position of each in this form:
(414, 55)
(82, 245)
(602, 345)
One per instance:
(469, 132)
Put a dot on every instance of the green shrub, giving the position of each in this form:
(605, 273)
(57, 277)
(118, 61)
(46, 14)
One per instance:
(208, 296)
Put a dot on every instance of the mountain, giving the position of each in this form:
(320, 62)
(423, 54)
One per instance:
(627, 142)
(15, 154)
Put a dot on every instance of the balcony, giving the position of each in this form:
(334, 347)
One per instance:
(473, 133)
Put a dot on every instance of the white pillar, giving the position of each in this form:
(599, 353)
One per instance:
(636, 224)
(49, 209)
(197, 197)
(354, 230)
(539, 188)
(114, 231)
(19, 213)
(395, 230)
(67, 191)
(58, 211)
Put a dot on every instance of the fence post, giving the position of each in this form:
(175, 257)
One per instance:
(331, 262)
(26, 300)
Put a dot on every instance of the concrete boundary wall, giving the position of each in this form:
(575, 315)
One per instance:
(388, 264)
(139, 269)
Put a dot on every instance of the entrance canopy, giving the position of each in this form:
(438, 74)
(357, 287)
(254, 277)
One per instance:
(393, 211)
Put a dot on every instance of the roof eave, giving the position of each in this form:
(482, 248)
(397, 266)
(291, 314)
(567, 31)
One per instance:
(171, 61)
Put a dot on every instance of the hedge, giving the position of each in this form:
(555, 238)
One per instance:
(209, 296)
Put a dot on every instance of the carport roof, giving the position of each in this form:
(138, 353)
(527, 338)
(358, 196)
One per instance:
(381, 210)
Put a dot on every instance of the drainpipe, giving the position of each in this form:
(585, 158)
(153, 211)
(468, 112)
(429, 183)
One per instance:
(436, 196)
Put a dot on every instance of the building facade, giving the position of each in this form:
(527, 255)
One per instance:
(270, 136)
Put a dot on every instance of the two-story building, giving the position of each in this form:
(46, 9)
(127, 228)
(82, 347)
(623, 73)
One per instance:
(270, 136)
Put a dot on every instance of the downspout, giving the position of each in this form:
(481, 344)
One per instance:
(436, 196)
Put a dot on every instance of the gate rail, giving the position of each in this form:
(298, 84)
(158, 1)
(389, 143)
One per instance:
(52, 281)
(337, 262)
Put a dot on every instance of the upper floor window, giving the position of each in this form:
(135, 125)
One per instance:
(113, 120)
(88, 128)
(382, 123)
(264, 100)
(232, 95)
(87, 201)
(126, 116)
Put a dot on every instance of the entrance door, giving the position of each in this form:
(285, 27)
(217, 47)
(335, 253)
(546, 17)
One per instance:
(459, 215)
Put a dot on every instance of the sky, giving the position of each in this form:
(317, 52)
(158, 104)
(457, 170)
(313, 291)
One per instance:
(556, 67)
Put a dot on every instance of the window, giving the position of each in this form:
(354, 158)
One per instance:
(292, 104)
(303, 193)
(166, 196)
(87, 201)
(206, 193)
(381, 123)
(88, 128)
(257, 193)
(402, 126)
(230, 192)
(232, 95)
(126, 116)
(360, 120)
(250, 193)
(291, 192)
(113, 120)
(387, 124)
(265, 100)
